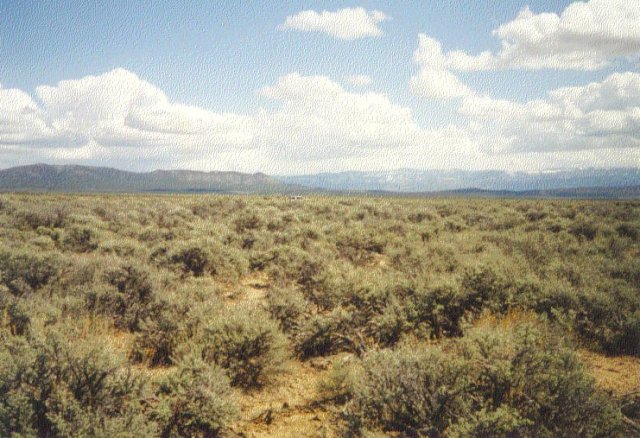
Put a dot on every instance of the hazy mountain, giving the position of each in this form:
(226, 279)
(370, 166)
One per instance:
(589, 183)
(43, 177)
(626, 192)
(408, 180)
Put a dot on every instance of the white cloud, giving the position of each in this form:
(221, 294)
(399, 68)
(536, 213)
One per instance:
(117, 118)
(318, 117)
(434, 80)
(314, 124)
(585, 36)
(600, 115)
(113, 114)
(344, 24)
(21, 120)
(359, 80)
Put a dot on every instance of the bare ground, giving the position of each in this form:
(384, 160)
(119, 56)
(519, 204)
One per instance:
(289, 406)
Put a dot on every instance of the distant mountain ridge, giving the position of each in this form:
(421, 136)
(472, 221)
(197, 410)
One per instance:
(587, 183)
(625, 192)
(73, 178)
(414, 181)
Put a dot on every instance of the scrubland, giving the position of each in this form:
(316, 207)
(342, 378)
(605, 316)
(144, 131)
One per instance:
(177, 315)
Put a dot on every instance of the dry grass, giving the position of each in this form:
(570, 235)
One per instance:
(619, 374)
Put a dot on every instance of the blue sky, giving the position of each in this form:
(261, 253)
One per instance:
(219, 56)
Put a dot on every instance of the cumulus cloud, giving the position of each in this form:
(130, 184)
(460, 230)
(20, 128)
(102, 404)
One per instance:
(314, 124)
(116, 118)
(318, 113)
(434, 80)
(600, 115)
(21, 120)
(359, 80)
(118, 109)
(112, 115)
(344, 24)
(585, 36)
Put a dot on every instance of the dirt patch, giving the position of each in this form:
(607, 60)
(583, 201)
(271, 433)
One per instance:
(287, 408)
(251, 290)
(620, 374)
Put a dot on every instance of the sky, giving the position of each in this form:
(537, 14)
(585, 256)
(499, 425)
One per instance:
(312, 86)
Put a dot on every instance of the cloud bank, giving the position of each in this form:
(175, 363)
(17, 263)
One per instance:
(118, 118)
(314, 124)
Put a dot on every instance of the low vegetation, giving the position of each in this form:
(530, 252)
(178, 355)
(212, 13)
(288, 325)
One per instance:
(162, 315)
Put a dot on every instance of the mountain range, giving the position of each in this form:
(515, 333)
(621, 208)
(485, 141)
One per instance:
(72, 178)
(588, 183)
(414, 181)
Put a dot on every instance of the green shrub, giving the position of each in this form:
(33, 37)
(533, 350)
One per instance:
(508, 383)
(247, 344)
(626, 340)
(529, 371)
(485, 288)
(194, 400)
(192, 259)
(24, 273)
(158, 339)
(583, 229)
(50, 387)
(287, 307)
(358, 245)
(411, 392)
(316, 337)
(607, 319)
(42, 216)
(504, 422)
(631, 231)
(129, 300)
(435, 311)
(250, 221)
(227, 264)
(80, 239)
(14, 314)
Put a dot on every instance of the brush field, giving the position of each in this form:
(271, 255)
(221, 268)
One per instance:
(177, 315)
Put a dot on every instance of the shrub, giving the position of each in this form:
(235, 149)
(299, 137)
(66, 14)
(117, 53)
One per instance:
(504, 422)
(436, 311)
(43, 216)
(626, 339)
(131, 298)
(508, 383)
(531, 372)
(415, 393)
(316, 337)
(358, 245)
(14, 314)
(534, 216)
(247, 344)
(227, 264)
(194, 400)
(24, 273)
(484, 287)
(192, 259)
(287, 307)
(606, 318)
(50, 387)
(628, 230)
(80, 239)
(251, 221)
(584, 229)
(158, 339)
